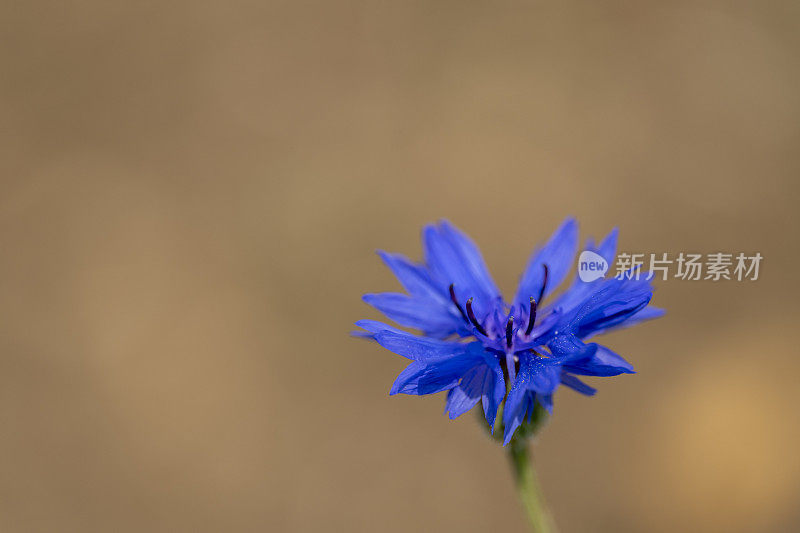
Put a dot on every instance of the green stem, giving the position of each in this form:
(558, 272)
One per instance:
(528, 487)
(522, 463)
(524, 474)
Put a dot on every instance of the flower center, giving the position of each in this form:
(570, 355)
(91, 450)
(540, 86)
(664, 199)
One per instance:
(471, 320)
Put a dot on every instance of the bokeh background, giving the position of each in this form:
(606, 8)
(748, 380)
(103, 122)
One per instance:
(192, 194)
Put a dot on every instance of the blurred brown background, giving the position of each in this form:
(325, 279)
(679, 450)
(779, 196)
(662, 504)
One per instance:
(192, 194)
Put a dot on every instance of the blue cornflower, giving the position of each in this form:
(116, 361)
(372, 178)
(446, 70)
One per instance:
(477, 346)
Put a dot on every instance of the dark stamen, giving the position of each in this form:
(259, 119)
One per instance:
(509, 331)
(474, 320)
(455, 301)
(532, 318)
(544, 283)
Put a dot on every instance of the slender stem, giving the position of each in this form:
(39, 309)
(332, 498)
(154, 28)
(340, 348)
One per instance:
(528, 487)
(519, 453)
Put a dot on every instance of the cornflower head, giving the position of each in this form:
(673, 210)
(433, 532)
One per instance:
(479, 347)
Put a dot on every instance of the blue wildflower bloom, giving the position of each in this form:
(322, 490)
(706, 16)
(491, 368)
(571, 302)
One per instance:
(478, 347)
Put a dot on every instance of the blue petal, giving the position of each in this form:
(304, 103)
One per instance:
(648, 313)
(419, 379)
(645, 314)
(485, 382)
(544, 378)
(580, 290)
(616, 301)
(454, 259)
(413, 277)
(435, 375)
(608, 248)
(372, 327)
(466, 394)
(567, 348)
(493, 396)
(546, 400)
(557, 254)
(513, 416)
(574, 383)
(432, 317)
(535, 375)
(603, 362)
(419, 348)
